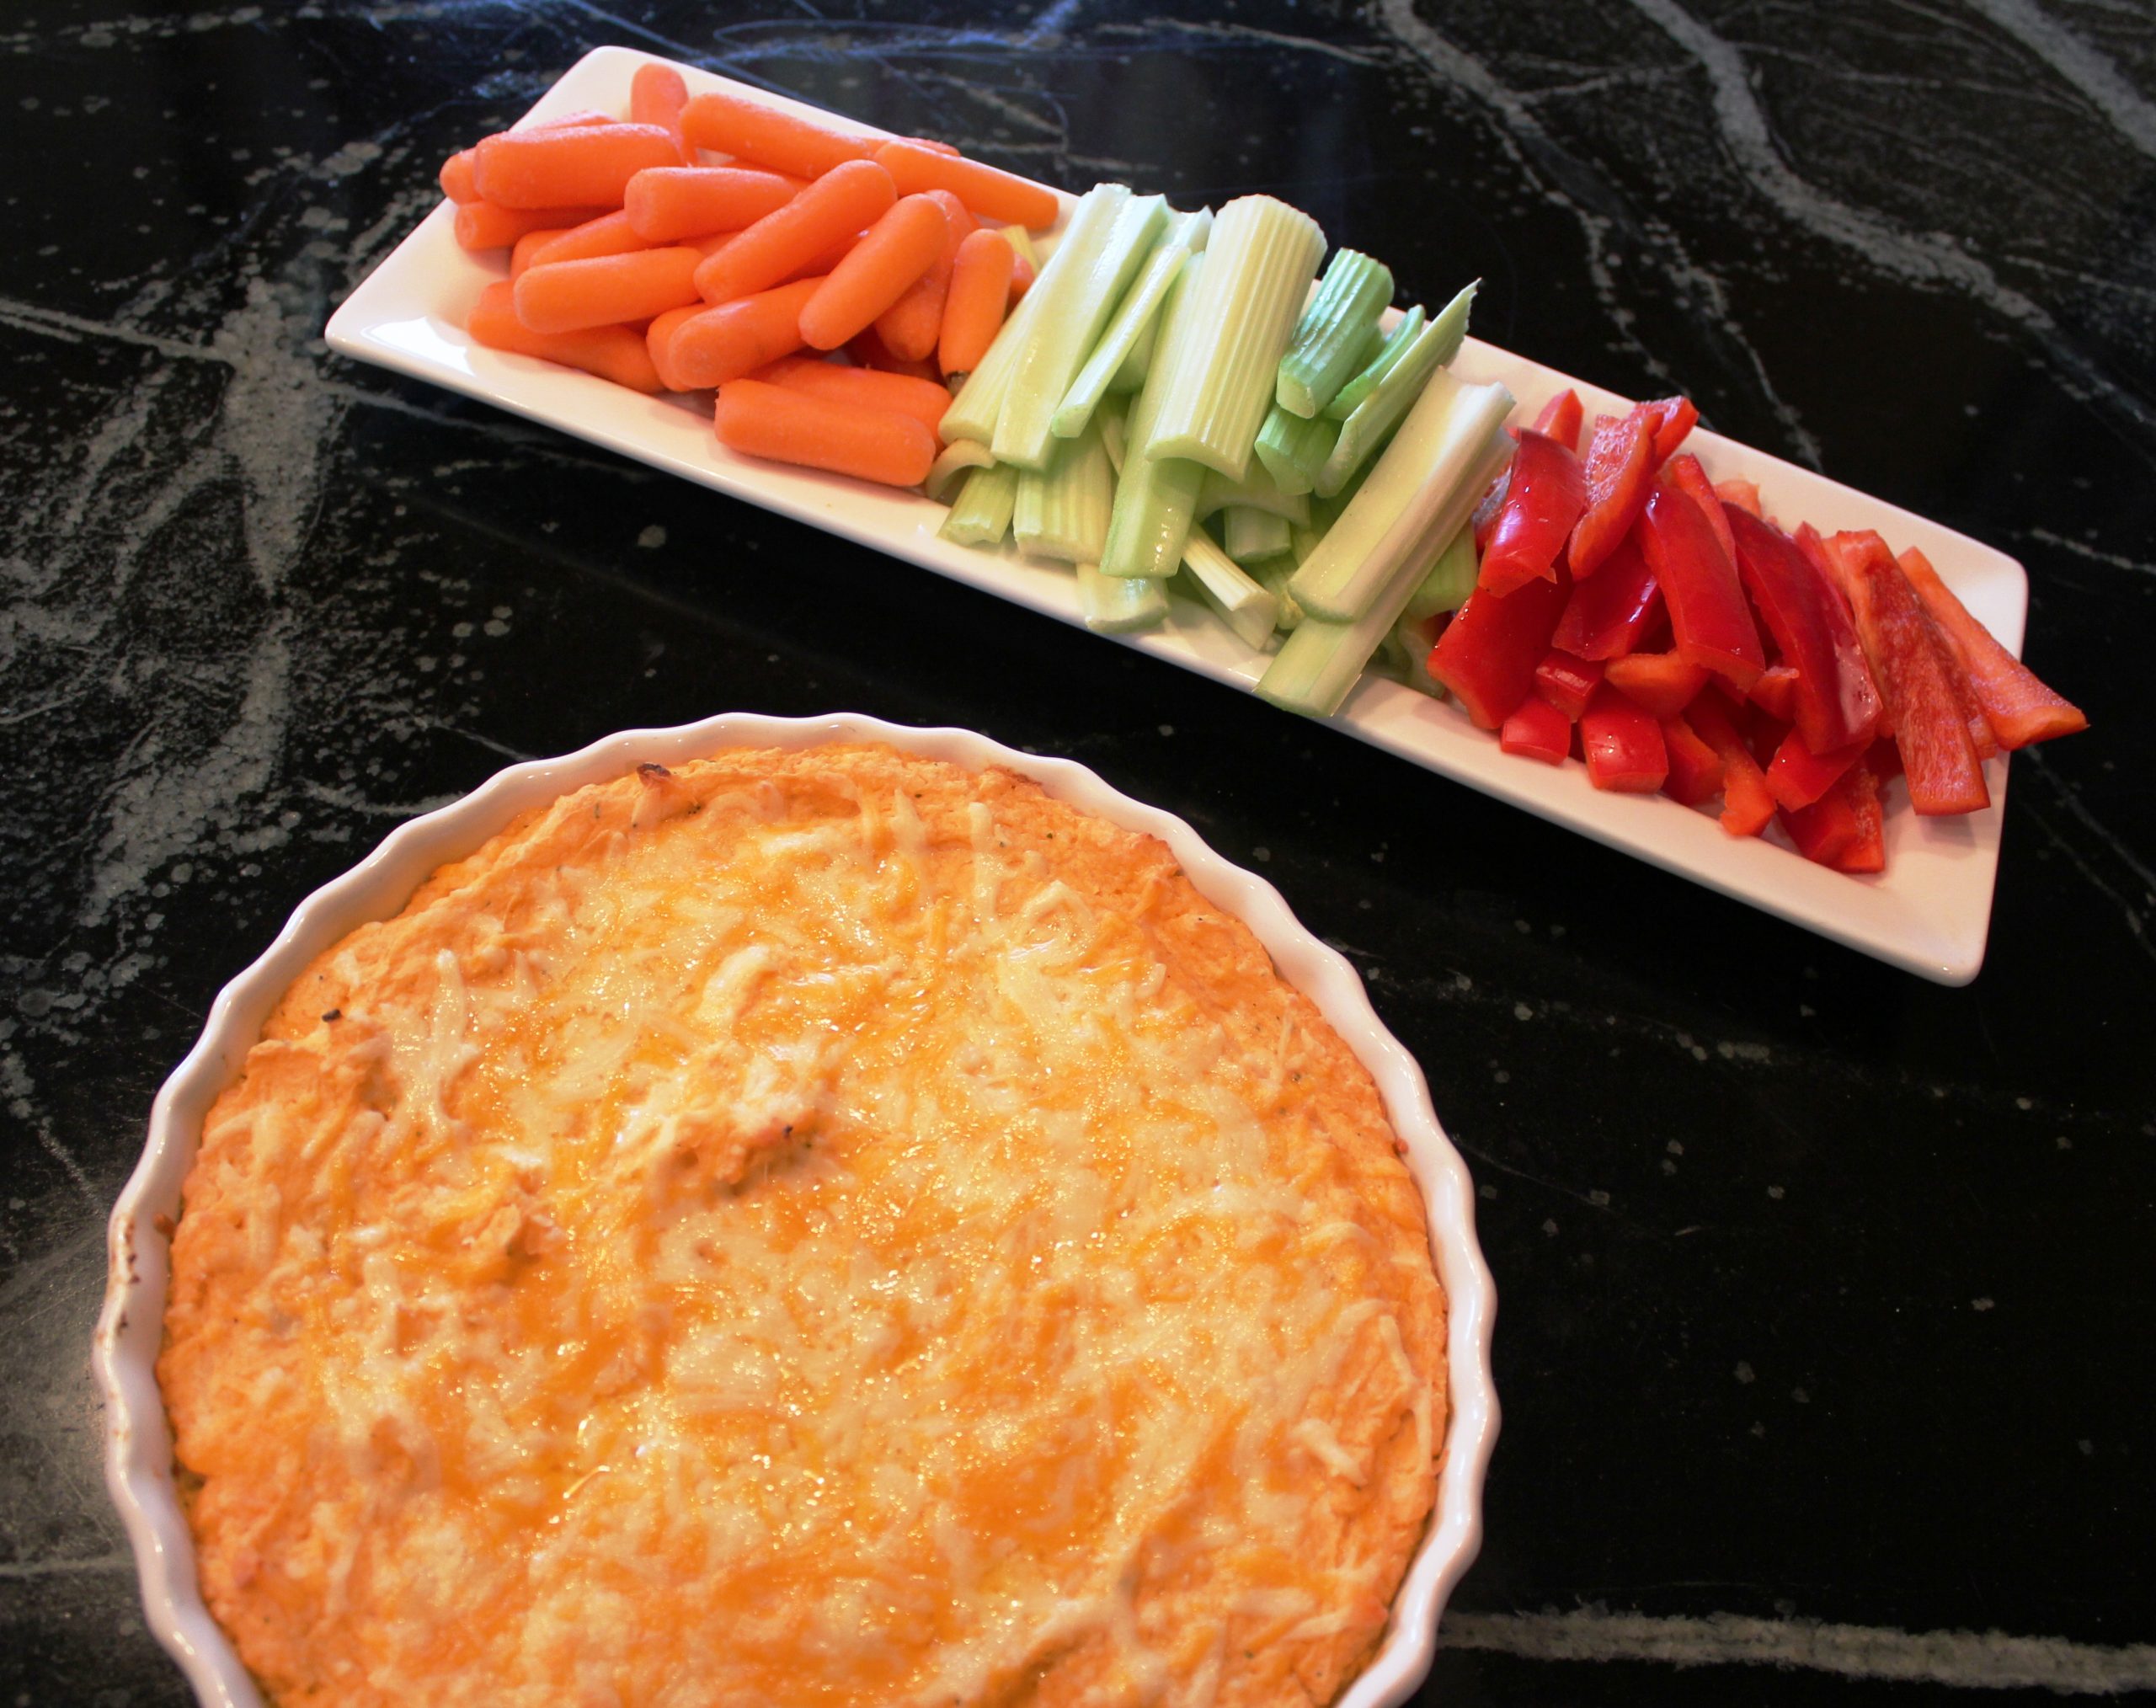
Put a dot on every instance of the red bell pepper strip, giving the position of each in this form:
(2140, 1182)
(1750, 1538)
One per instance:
(1544, 499)
(1560, 419)
(1674, 418)
(1695, 769)
(1836, 703)
(1713, 624)
(1489, 507)
(1488, 651)
(1539, 730)
(1915, 676)
(1662, 683)
(1846, 827)
(1566, 682)
(1610, 613)
(1775, 691)
(1621, 465)
(1686, 472)
(1747, 803)
(1622, 745)
(1739, 494)
(1799, 776)
(2021, 709)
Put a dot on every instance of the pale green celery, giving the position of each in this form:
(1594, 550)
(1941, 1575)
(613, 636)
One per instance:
(1274, 577)
(1292, 449)
(1217, 379)
(1022, 246)
(955, 460)
(1248, 534)
(1450, 580)
(1156, 496)
(1063, 512)
(1245, 604)
(1256, 490)
(982, 514)
(1330, 338)
(975, 412)
(1407, 649)
(1080, 295)
(1116, 604)
(1426, 474)
(1134, 319)
(1380, 362)
(1363, 432)
(1130, 374)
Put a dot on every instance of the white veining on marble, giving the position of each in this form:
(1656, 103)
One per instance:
(2091, 72)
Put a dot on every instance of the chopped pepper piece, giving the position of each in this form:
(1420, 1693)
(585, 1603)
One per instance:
(1488, 651)
(1846, 827)
(1622, 745)
(1560, 418)
(1775, 691)
(1685, 471)
(1707, 610)
(1674, 420)
(1662, 683)
(1566, 682)
(1610, 613)
(1621, 465)
(1747, 803)
(1799, 776)
(1546, 496)
(2021, 709)
(1695, 769)
(1836, 701)
(1539, 730)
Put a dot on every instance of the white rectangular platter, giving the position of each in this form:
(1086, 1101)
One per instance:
(1929, 912)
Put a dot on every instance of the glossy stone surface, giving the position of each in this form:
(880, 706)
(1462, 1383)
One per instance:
(1825, 1294)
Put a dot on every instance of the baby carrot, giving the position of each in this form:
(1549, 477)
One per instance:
(867, 352)
(457, 182)
(992, 195)
(789, 426)
(865, 388)
(935, 143)
(558, 167)
(657, 95)
(876, 271)
(659, 339)
(569, 295)
(973, 309)
(528, 246)
(736, 337)
(668, 203)
(1021, 273)
(909, 326)
(837, 205)
(582, 118)
(756, 134)
(481, 225)
(611, 352)
(610, 234)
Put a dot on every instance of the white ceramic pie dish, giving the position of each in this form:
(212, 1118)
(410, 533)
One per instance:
(138, 1443)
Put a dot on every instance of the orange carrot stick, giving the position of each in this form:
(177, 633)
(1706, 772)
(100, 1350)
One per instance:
(610, 234)
(866, 388)
(789, 426)
(481, 225)
(837, 205)
(659, 339)
(668, 203)
(908, 327)
(529, 246)
(657, 95)
(611, 352)
(935, 143)
(457, 182)
(564, 168)
(876, 271)
(582, 118)
(974, 308)
(867, 352)
(992, 195)
(568, 296)
(738, 337)
(756, 134)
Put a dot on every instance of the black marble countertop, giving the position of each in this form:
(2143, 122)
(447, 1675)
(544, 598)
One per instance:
(1827, 1294)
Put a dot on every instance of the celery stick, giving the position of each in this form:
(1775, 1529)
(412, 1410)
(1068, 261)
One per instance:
(1257, 489)
(1322, 357)
(1248, 534)
(1380, 363)
(1116, 604)
(1245, 604)
(1450, 323)
(976, 411)
(1218, 378)
(1274, 577)
(956, 459)
(1364, 432)
(1292, 449)
(1079, 298)
(1131, 373)
(1156, 496)
(1022, 245)
(1426, 473)
(1063, 512)
(982, 514)
(1450, 580)
(1133, 319)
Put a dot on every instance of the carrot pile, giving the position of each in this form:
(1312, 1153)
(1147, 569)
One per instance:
(827, 285)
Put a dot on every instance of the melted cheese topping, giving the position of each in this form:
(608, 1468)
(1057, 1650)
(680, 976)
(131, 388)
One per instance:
(828, 1229)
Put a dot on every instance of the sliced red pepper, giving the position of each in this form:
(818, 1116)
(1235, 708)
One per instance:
(1799, 776)
(1543, 501)
(1915, 676)
(1622, 745)
(1846, 827)
(1695, 769)
(1836, 701)
(1661, 683)
(1489, 507)
(1982, 736)
(1739, 494)
(1488, 651)
(1707, 610)
(1686, 472)
(2021, 709)
(1566, 682)
(1674, 420)
(1611, 613)
(1775, 692)
(1621, 465)
(1539, 730)
(1560, 419)
(1747, 803)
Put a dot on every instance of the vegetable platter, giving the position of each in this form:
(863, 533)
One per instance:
(1927, 912)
